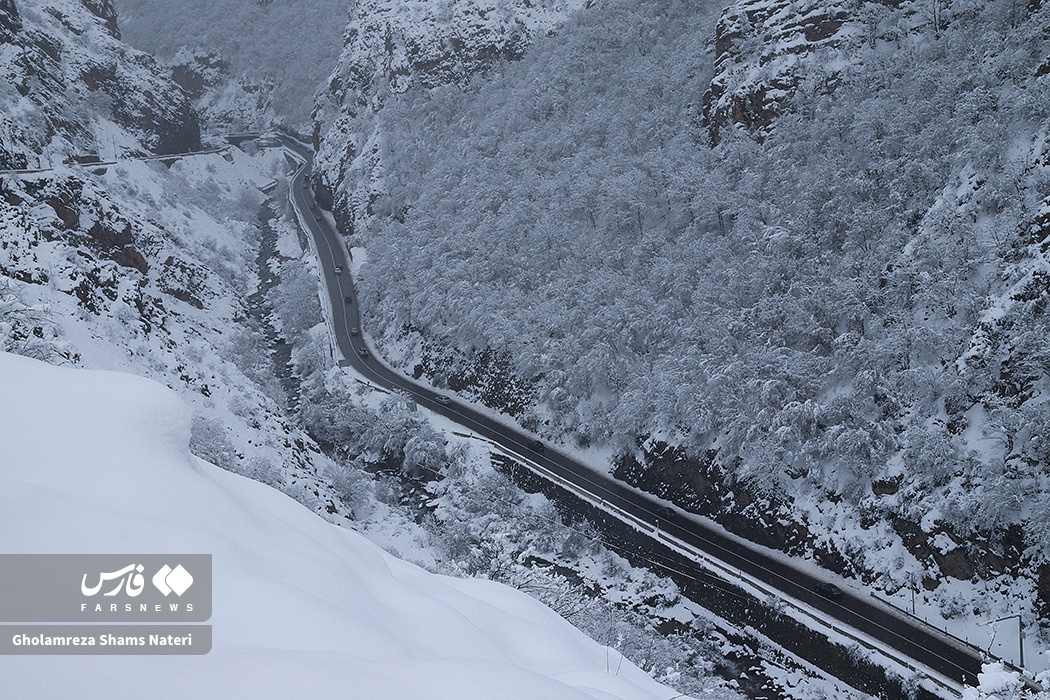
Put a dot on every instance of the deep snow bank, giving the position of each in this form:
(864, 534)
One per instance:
(96, 461)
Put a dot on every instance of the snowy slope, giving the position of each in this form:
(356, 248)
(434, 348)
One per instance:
(99, 461)
(151, 270)
(69, 87)
(294, 44)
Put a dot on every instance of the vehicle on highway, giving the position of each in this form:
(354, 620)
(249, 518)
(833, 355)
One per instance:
(442, 400)
(354, 330)
(829, 590)
(908, 637)
(362, 352)
(338, 269)
(317, 215)
(348, 299)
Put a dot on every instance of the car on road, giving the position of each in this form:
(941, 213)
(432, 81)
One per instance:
(317, 215)
(354, 330)
(442, 400)
(363, 352)
(535, 446)
(348, 299)
(829, 590)
(338, 269)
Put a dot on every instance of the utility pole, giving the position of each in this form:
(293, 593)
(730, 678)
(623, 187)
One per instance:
(913, 585)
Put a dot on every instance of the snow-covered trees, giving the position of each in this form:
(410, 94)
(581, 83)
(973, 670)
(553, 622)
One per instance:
(276, 51)
(850, 298)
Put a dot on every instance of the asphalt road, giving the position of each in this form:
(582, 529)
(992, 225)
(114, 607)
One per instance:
(922, 644)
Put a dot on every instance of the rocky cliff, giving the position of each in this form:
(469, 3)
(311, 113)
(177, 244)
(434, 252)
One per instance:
(391, 46)
(764, 51)
(71, 88)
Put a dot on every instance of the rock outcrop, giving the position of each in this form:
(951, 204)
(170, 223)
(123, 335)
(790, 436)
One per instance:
(764, 49)
(66, 74)
(10, 22)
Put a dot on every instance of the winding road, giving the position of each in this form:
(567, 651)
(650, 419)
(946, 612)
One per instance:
(922, 644)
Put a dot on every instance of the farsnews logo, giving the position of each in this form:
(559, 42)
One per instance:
(130, 579)
(169, 580)
(128, 587)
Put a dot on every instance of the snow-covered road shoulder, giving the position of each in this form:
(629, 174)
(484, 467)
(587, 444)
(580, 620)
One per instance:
(98, 461)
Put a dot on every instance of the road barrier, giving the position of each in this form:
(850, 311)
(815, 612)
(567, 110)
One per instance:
(133, 159)
(726, 573)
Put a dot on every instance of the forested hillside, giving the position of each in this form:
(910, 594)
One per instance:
(279, 50)
(804, 246)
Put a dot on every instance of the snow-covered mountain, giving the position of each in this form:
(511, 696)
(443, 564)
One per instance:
(302, 608)
(790, 265)
(70, 88)
(787, 259)
(192, 272)
(390, 47)
(285, 48)
(141, 266)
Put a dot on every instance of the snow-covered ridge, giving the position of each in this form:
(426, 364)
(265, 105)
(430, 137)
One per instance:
(99, 461)
(437, 43)
(285, 49)
(70, 88)
(390, 46)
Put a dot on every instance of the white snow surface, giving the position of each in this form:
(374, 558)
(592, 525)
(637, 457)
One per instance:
(98, 461)
(994, 681)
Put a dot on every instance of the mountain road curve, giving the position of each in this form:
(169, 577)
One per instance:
(922, 644)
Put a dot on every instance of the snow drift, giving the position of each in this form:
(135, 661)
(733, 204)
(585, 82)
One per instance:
(97, 461)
